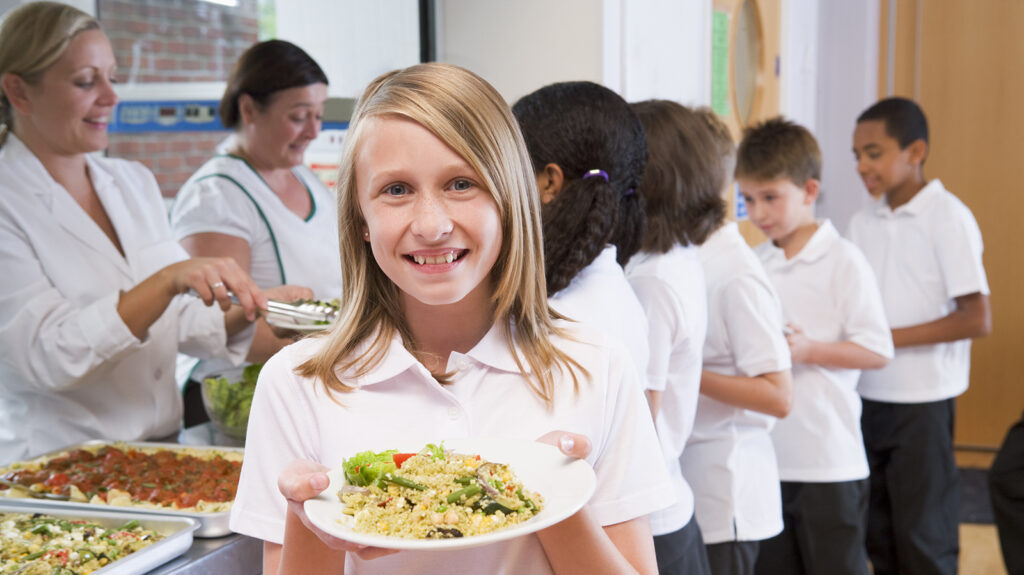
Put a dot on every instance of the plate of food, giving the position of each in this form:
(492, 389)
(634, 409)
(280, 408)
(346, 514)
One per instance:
(451, 495)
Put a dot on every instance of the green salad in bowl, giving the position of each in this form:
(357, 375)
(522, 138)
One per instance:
(227, 397)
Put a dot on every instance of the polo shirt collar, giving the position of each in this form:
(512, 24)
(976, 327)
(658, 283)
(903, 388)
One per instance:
(917, 205)
(492, 350)
(817, 247)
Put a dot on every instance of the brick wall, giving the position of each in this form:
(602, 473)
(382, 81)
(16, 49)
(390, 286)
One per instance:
(174, 41)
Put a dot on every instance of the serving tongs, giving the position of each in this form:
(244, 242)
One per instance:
(303, 311)
(33, 493)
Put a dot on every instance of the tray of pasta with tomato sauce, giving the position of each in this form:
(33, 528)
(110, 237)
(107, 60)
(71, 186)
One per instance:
(148, 478)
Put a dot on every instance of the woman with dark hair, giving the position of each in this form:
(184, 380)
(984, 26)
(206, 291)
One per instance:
(588, 152)
(257, 202)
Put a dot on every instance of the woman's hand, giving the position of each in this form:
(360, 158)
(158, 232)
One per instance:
(303, 480)
(212, 279)
(288, 293)
(269, 338)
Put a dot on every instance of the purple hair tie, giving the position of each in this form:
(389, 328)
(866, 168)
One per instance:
(629, 192)
(592, 173)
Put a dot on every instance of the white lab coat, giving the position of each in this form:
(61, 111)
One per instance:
(70, 369)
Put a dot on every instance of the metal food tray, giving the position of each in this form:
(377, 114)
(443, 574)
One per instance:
(177, 532)
(211, 524)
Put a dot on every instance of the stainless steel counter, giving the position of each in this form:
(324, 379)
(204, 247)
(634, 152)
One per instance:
(230, 555)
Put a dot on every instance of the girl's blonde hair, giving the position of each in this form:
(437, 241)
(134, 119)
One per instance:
(32, 37)
(470, 116)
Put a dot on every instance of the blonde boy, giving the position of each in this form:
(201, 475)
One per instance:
(836, 326)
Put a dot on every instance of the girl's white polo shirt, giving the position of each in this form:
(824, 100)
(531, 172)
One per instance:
(670, 286)
(729, 460)
(924, 253)
(293, 417)
(829, 290)
(600, 296)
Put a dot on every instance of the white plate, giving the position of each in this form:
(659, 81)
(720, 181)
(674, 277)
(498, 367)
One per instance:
(566, 485)
(285, 322)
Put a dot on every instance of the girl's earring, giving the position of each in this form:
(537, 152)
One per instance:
(366, 235)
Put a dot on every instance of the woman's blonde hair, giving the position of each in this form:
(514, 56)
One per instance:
(32, 37)
(470, 116)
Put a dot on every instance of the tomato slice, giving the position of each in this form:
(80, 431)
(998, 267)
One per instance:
(399, 458)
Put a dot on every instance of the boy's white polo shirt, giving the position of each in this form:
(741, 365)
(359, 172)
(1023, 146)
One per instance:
(729, 460)
(830, 291)
(398, 401)
(924, 253)
(670, 286)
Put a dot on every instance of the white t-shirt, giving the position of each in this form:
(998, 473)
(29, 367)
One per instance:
(830, 291)
(70, 369)
(729, 460)
(293, 417)
(671, 288)
(227, 196)
(600, 296)
(924, 253)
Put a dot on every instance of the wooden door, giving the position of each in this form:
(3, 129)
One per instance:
(962, 62)
(746, 37)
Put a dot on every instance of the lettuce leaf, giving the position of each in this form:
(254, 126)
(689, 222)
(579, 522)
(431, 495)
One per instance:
(364, 468)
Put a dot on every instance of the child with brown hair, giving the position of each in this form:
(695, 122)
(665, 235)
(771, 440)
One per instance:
(837, 327)
(745, 384)
(669, 281)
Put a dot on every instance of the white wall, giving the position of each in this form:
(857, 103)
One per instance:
(799, 62)
(354, 41)
(667, 51)
(522, 45)
(847, 84)
(640, 48)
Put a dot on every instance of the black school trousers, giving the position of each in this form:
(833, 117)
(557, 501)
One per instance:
(682, 552)
(914, 504)
(1006, 487)
(823, 531)
(733, 557)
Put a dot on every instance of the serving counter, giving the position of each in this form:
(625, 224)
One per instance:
(229, 555)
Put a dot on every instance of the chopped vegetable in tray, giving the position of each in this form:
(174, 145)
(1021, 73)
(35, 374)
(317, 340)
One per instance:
(36, 544)
(229, 402)
(433, 494)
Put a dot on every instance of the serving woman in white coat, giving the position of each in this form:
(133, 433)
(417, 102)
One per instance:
(91, 304)
(257, 202)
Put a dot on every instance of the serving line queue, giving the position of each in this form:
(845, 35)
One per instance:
(668, 344)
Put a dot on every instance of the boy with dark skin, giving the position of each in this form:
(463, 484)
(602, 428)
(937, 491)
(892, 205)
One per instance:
(925, 248)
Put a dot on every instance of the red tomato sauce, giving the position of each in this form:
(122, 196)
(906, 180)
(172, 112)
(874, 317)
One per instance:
(165, 478)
